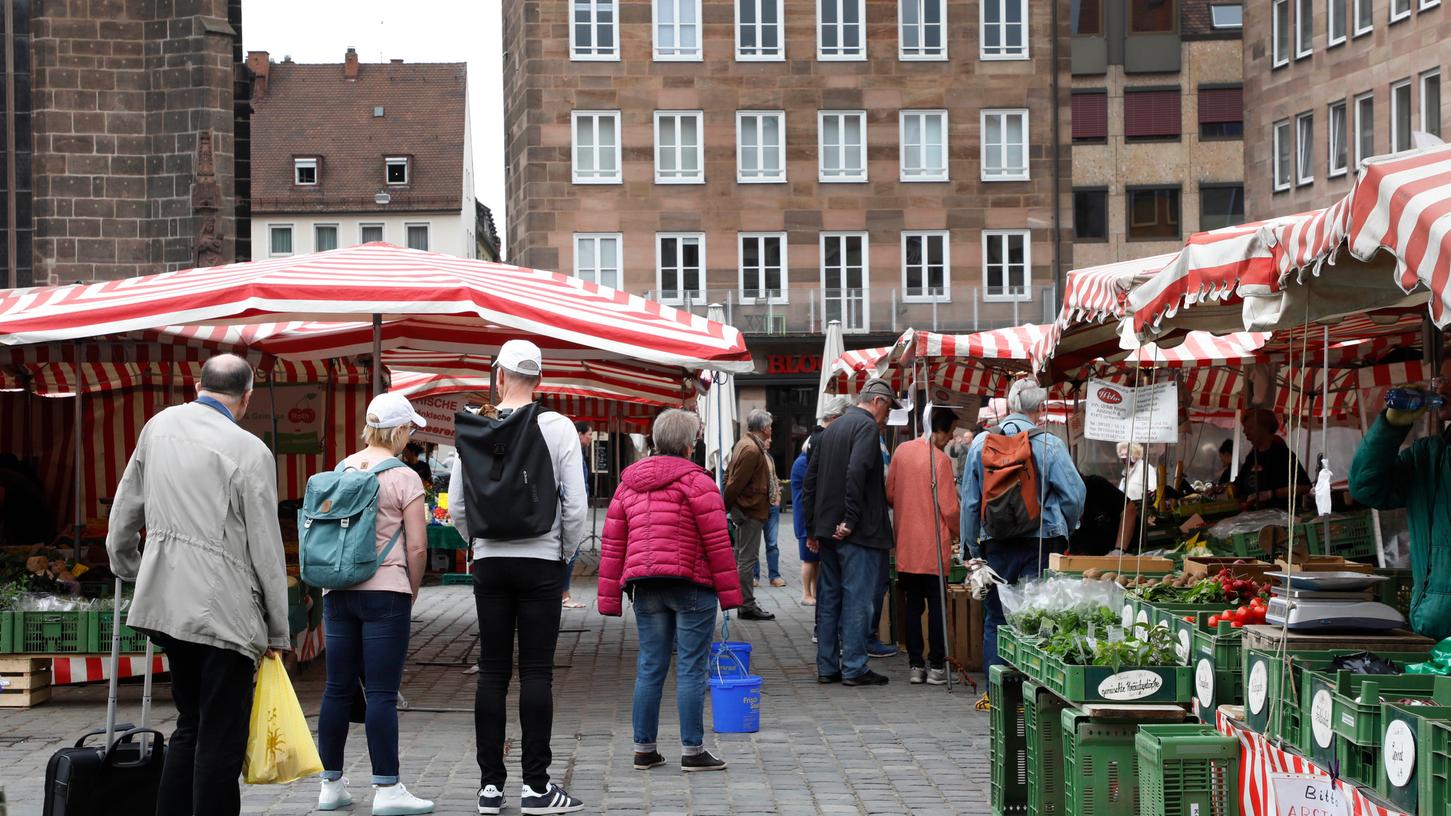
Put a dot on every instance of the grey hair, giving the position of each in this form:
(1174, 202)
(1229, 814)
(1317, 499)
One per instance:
(675, 430)
(1026, 396)
(835, 407)
(759, 420)
(228, 375)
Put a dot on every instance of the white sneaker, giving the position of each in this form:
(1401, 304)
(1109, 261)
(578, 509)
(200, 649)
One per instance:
(491, 800)
(395, 800)
(937, 677)
(334, 794)
(918, 675)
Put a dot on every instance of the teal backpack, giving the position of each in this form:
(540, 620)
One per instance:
(337, 527)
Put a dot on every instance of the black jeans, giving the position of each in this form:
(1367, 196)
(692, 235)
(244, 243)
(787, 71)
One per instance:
(212, 689)
(923, 591)
(516, 594)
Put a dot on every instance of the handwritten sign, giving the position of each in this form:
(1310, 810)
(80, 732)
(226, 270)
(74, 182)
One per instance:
(1400, 753)
(1307, 795)
(1135, 684)
(1118, 413)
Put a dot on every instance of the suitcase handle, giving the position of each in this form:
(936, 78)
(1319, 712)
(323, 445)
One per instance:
(125, 736)
(81, 743)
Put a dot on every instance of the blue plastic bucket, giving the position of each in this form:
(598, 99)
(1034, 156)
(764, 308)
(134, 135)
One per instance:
(731, 658)
(735, 704)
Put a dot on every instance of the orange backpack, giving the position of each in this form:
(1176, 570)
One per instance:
(1010, 507)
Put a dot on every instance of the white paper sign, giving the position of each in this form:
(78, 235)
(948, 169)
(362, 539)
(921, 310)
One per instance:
(1306, 795)
(1400, 753)
(1134, 684)
(1259, 687)
(1119, 413)
(438, 411)
(1321, 724)
(1204, 684)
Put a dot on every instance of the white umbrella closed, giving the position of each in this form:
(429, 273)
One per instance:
(719, 412)
(833, 350)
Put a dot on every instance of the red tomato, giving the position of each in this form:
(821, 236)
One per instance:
(1237, 625)
(1189, 618)
(1214, 620)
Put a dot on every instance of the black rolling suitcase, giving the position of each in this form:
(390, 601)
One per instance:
(117, 777)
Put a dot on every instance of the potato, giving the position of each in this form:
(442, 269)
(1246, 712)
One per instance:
(1123, 580)
(1110, 576)
(1093, 573)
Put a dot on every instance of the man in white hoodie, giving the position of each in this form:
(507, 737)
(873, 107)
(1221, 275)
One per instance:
(516, 588)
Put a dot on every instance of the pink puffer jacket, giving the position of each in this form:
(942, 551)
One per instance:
(667, 520)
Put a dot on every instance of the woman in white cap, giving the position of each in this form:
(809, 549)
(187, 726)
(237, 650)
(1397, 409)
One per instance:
(367, 625)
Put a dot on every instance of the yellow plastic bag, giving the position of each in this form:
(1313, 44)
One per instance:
(279, 745)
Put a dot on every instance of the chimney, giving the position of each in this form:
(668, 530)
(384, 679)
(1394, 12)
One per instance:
(259, 64)
(350, 64)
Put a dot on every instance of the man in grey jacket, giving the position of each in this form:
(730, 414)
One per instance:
(211, 580)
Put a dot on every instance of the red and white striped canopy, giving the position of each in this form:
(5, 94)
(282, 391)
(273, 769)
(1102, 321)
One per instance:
(590, 379)
(361, 281)
(575, 404)
(1094, 300)
(853, 368)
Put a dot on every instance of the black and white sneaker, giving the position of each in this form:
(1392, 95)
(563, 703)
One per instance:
(553, 799)
(646, 760)
(703, 761)
(491, 800)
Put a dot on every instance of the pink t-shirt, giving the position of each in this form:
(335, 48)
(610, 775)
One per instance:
(397, 488)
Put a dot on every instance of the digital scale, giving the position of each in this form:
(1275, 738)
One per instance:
(1329, 601)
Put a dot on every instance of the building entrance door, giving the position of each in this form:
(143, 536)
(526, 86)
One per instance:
(794, 410)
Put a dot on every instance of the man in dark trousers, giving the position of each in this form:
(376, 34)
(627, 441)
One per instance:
(750, 487)
(845, 503)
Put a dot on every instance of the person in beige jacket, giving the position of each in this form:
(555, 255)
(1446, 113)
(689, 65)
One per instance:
(211, 580)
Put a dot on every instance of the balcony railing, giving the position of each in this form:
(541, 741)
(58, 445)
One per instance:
(869, 311)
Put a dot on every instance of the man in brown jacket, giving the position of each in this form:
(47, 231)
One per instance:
(750, 485)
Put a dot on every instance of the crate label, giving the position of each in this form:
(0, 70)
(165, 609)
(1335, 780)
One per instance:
(1321, 721)
(1258, 690)
(1134, 684)
(1204, 684)
(1307, 795)
(1182, 650)
(1128, 616)
(1400, 753)
(1143, 617)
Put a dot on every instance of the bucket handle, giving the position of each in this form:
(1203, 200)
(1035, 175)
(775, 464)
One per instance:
(725, 637)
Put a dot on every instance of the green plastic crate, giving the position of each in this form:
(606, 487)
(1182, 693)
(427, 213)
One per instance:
(1100, 766)
(1187, 769)
(1009, 741)
(451, 578)
(1217, 677)
(1354, 704)
(1396, 592)
(7, 632)
(1104, 684)
(1266, 693)
(1010, 645)
(958, 574)
(99, 634)
(1436, 785)
(1352, 535)
(1043, 721)
(45, 633)
(1405, 767)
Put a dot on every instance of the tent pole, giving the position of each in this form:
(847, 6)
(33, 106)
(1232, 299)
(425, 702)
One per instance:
(79, 523)
(272, 399)
(1325, 430)
(937, 536)
(717, 380)
(377, 354)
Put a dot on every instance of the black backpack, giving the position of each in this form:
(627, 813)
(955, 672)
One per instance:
(508, 475)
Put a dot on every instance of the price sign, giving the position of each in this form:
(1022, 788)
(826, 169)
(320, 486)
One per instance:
(1118, 413)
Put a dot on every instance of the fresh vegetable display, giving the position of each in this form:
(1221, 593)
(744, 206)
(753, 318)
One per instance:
(1240, 616)
(1123, 580)
(1096, 638)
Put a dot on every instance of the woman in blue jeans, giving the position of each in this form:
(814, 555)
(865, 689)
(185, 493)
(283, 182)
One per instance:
(367, 625)
(665, 543)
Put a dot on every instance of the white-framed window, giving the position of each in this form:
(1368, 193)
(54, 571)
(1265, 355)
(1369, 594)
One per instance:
(1400, 10)
(1304, 28)
(845, 278)
(680, 267)
(594, 30)
(924, 145)
(1003, 28)
(1304, 149)
(1227, 16)
(304, 172)
(922, 29)
(416, 235)
(370, 233)
(1431, 102)
(1284, 155)
(1401, 116)
(926, 261)
(1335, 22)
(1425, 4)
(324, 237)
(1364, 127)
(1364, 17)
(760, 147)
(841, 29)
(1006, 265)
(843, 145)
(598, 257)
(760, 30)
(1336, 137)
(279, 240)
(1280, 32)
(1005, 145)
(763, 267)
(396, 170)
(596, 151)
(679, 148)
(676, 24)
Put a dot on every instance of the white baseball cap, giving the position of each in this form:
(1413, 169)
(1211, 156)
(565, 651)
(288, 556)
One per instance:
(520, 357)
(393, 410)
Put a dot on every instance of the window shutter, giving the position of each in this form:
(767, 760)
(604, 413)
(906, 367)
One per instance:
(1151, 114)
(1090, 115)
(1220, 105)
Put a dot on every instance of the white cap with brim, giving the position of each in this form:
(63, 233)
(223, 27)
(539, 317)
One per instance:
(520, 357)
(392, 410)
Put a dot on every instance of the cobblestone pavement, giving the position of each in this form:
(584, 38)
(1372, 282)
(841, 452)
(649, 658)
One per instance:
(900, 749)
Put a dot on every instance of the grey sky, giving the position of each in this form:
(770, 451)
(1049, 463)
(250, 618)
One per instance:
(414, 31)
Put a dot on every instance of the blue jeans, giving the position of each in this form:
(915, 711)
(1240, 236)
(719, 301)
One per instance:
(1015, 561)
(773, 550)
(879, 595)
(683, 617)
(844, 607)
(367, 637)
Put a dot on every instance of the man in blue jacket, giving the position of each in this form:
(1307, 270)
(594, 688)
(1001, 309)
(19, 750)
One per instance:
(1063, 492)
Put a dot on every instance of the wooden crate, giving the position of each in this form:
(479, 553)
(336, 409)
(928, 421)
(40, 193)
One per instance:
(26, 681)
(1323, 563)
(1128, 565)
(1208, 566)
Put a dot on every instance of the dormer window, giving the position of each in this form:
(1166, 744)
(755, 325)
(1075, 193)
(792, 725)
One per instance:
(304, 172)
(395, 169)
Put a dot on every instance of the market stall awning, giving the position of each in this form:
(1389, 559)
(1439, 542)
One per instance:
(1094, 301)
(592, 379)
(379, 279)
(853, 368)
(603, 407)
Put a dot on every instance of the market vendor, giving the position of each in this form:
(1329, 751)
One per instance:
(1418, 479)
(1264, 479)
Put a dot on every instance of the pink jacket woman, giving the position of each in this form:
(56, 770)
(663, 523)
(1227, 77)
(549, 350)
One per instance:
(667, 520)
